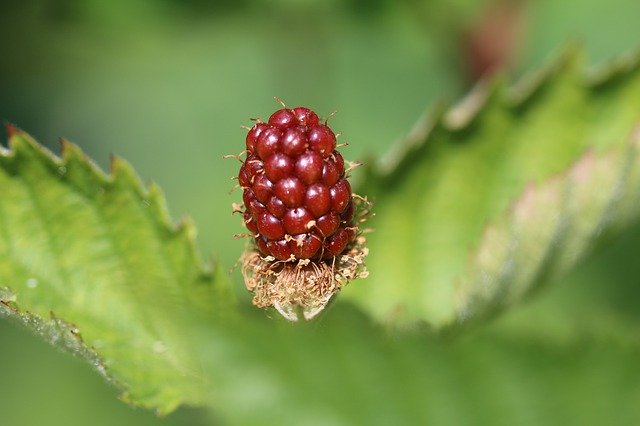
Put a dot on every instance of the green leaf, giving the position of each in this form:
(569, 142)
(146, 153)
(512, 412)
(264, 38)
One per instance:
(346, 370)
(485, 201)
(93, 264)
(551, 227)
(78, 246)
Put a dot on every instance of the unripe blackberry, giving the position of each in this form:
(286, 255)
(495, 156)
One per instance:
(300, 213)
(295, 188)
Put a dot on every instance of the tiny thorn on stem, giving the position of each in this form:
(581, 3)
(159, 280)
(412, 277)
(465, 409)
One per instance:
(243, 235)
(352, 166)
(329, 117)
(235, 156)
(237, 208)
(280, 102)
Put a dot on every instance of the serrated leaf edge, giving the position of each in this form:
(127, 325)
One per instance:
(461, 115)
(629, 152)
(120, 171)
(56, 332)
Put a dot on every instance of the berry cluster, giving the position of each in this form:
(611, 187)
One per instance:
(297, 200)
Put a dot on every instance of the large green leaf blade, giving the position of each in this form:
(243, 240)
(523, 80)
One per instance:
(99, 254)
(551, 227)
(463, 168)
(347, 370)
(92, 263)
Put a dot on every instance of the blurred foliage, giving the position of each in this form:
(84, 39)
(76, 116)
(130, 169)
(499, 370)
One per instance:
(511, 187)
(166, 85)
(93, 264)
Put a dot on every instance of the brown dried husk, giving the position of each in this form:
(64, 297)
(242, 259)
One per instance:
(303, 286)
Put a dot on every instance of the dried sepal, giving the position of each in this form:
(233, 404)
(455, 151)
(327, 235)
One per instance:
(301, 285)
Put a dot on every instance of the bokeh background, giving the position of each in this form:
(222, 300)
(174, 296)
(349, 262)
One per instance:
(167, 84)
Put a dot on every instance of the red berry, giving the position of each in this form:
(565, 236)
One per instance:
(294, 142)
(347, 215)
(256, 208)
(328, 224)
(267, 144)
(318, 199)
(282, 118)
(322, 140)
(261, 242)
(250, 223)
(296, 221)
(252, 204)
(243, 177)
(305, 116)
(278, 166)
(270, 226)
(339, 161)
(332, 171)
(247, 197)
(262, 188)
(279, 249)
(291, 191)
(254, 133)
(340, 195)
(309, 167)
(253, 166)
(297, 199)
(336, 243)
(305, 246)
(276, 207)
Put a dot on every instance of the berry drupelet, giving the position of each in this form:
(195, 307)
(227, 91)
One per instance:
(298, 202)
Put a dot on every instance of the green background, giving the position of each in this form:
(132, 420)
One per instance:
(166, 84)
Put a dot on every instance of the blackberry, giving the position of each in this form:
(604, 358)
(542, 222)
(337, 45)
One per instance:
(295, 189)
(301, 214)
